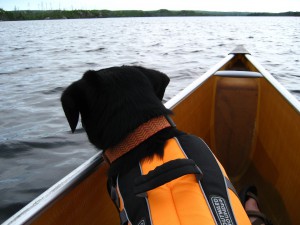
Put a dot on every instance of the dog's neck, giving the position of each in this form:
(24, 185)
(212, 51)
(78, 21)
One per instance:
(139, 135)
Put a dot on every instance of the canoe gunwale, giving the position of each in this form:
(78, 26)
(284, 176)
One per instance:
(282, 90)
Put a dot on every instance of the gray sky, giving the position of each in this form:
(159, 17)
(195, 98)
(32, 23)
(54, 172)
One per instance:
(209, 5)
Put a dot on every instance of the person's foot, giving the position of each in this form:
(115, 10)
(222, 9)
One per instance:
(248, 197)
(251, 205)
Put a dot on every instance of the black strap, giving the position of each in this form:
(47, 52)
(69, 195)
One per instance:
(112, 190)
(230, 185)
(213, 183)
(123, 218)
(164, 174)
(170, 121)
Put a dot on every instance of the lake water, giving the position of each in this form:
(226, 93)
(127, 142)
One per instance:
(38, 59)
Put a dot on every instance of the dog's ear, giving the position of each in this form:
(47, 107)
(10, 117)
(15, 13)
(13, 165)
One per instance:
(92, 77)
(70, 108)
(72, 98)
(158, 80)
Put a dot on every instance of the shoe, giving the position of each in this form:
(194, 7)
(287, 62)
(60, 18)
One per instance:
(251, 192)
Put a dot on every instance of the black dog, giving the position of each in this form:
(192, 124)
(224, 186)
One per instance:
(112, 103)
(121, 107)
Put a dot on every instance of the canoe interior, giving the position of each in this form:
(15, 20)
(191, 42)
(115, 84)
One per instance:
(249, 126)
(254, 132)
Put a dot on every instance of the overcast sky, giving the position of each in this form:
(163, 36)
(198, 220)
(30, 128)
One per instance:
(209, 5)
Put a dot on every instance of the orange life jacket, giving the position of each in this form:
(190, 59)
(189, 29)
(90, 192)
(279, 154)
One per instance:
(187, 186)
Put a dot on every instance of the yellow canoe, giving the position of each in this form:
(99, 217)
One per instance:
(247, 118)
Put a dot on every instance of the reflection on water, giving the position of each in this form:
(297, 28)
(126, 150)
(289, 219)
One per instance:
(40, 58)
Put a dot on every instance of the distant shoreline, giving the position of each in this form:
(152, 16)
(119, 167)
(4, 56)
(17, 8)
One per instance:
(81, 14)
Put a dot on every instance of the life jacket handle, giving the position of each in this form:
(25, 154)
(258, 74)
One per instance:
(164, 174)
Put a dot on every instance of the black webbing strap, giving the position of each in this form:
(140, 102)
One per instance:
(230, 186)
(164, 174)
(112, 190)
(213, 183)
(123, 218)
(114, 196)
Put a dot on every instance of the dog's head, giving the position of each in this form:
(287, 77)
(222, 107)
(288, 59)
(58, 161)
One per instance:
(113, 102)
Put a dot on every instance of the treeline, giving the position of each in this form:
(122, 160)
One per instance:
(76, 14)
(275, 14)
